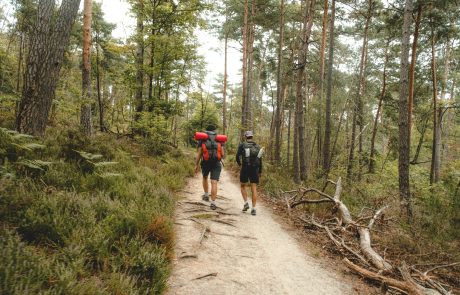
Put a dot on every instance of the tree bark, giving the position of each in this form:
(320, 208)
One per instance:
(379, 110)
(301, 79)
(224, 104)
(434, 173)
(48, 42)
(321, 79)
(279, 91)
(403, 161)
(139, 60)
(412, 68)
(327, 127)
(100, 99)
(85, 117)
(245, 63)
(358, 119)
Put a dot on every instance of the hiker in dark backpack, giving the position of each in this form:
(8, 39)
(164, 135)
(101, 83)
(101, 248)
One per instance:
(210, 153)
(249, 157)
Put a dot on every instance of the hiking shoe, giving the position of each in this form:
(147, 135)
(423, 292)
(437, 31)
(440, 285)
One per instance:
(205, 198)
(253, 211)
(213, 206)
(246, 207)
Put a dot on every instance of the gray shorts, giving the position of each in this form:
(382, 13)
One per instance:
(213, 168)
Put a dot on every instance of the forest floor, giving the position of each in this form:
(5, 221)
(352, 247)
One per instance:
(230, 252)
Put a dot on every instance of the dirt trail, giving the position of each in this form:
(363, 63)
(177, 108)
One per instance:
(239, 253)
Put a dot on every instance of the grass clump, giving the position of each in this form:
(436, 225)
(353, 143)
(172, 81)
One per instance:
(80, 229)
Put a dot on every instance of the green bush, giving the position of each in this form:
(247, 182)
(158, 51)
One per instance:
(105, 231)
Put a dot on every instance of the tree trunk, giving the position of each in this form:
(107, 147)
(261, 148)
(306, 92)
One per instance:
(279, 90)
(85, 117)
(403, 161)
(412, 68)
(379, 110)
(321, 80)
(139, 60)
(47, 45)
(301, 78)
(245, 63)
(250, 66)
(289, 140)
(327, 128)
(358, 104)
(224, 104)
(100, 99)
(434, 173)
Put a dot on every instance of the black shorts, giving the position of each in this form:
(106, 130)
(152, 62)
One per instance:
(249, 174)
(213, 168)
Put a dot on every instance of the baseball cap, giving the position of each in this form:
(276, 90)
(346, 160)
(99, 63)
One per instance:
(248, 134)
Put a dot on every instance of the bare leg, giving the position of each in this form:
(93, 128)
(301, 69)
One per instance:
(213, 189)
(254, 194)
(205, 185)
(244, 193)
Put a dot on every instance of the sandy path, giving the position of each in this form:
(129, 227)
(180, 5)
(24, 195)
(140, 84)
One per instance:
(245, 255)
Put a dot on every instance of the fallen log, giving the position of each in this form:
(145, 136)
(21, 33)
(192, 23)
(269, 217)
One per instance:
(409, 286)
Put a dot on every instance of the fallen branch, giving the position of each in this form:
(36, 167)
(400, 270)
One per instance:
(408, 285)
(214, 274)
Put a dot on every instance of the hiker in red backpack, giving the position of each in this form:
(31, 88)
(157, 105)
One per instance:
(249, 157)
(210, 153)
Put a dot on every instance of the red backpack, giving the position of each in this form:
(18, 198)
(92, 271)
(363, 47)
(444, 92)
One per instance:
(212, 149)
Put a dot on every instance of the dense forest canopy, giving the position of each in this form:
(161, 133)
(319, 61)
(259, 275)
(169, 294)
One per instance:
(365, 90)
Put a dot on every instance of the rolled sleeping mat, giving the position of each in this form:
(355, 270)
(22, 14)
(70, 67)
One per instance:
(200, 136)
(221, 138)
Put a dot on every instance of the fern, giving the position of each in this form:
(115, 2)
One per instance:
(35, 164)
(104, 164)
(88, 156)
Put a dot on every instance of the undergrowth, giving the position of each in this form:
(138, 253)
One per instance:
(96, 218)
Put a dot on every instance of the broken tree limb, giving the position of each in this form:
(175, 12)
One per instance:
(409, 287)
(214, 274)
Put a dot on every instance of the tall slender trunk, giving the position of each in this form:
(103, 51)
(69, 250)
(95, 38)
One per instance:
(434, 173)
(48, 43)
(100, 99)
(358, 117)
(379, 110)
(139, 60)
(19, 69)
(412, 68)
(289, 140)
(327, 127)
(245, 63)
(403, 161)
(279, 90)
(322, 66)
(250, 66)
(85, 117)
(224, 104)
(301, 79)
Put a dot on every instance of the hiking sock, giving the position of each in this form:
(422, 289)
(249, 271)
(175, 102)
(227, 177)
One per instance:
(206, 194)
(213, 202)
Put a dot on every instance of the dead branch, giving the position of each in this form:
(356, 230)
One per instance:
(407, 286)
(188, 256)
(203, 234)
(236, 236)
(214, 274)
(376, 215)
(223, 222)
(295, 204)
(335, 241)
(440, 266)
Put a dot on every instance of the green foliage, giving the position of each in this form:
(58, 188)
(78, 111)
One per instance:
(68, 232)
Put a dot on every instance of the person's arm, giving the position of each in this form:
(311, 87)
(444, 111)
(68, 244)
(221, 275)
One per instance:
(238, 154)
(198, 158)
